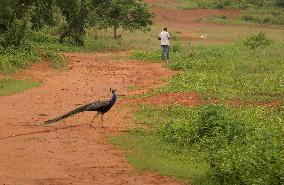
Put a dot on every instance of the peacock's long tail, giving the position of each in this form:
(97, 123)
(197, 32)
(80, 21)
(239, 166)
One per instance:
(71, 113)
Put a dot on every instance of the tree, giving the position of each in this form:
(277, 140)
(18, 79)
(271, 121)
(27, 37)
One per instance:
(43, 11)
(14, 19)
(77, 14)
(126, 14)
(280, 3)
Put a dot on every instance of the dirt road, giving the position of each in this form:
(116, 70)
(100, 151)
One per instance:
(70, 152)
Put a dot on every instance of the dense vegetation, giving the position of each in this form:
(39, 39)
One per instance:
(249, 70)
(232, 145)
(28, 27)
(219, 144)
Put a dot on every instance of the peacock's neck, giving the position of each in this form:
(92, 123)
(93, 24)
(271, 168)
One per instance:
(113, 99)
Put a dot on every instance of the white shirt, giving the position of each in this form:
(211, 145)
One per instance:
(165, 36)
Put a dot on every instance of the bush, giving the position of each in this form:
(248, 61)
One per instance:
(56, 59)
(16, 32)
(256, 2)
(214, 121)
(144, 55)
(242, 147)
(257, 41)
(176, 47)
(222, 4)
(280, 3)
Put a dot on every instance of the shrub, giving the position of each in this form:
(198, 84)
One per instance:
(144, 55)
(247, 17)
(213, 121)
(256, 2)
(176, 47)
(16, 32)
(222, 4)
(258, 40)
(280, 3)
(239, 149)
(56, 59)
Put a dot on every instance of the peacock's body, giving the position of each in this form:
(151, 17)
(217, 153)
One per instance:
(99, 106)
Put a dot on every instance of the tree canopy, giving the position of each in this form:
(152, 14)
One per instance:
(126, 14)
(17, 16)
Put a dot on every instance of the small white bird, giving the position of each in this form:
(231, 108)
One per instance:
(203, 36)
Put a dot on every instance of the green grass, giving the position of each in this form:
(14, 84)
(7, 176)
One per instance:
(168, 147)
(133, 88)
(251, 12)
(13, 58)
(9, 86)
(231, 4)
(236, 145)
(227, 71)
(56, 59)
(45, 44)
(251, 17)
(147, 153)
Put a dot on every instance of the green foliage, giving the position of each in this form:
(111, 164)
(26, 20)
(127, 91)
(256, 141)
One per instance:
(16, 32)
(57, 60)
(227, 72)
(77, 14)
(126, 14)
(256, 11)
(40, 44)
(9, 86)
(213, 122)
(257, 40)
(43, 13)
(13, 9)
(280, 3)
(242, 145)
(15, 57)
(74, 17)
(147, 152)
(263, 16)
(176, 47)
(222, 4)
(144, 55)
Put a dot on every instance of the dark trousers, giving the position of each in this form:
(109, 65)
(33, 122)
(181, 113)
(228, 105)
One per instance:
(165, 49)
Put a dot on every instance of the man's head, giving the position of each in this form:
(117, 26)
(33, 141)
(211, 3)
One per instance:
(165, 29)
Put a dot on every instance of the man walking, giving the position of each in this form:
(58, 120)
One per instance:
(164, 36)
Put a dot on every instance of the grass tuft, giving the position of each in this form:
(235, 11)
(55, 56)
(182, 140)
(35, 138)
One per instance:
(147, 153)
(9, 86)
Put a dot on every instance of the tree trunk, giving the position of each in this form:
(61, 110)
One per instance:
(115, 32)
(63, 35)
(79, 41)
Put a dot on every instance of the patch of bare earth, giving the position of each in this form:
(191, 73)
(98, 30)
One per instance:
(187, 24)
(194, 100)
(70, 152)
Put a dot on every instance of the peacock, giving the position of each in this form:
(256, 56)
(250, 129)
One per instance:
(101, 107)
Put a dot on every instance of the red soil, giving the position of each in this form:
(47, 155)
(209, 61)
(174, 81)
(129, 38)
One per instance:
(194, 100)
(70, 152)
(187, 25)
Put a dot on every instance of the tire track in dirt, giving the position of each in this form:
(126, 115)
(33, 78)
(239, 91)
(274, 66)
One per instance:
(69, 152)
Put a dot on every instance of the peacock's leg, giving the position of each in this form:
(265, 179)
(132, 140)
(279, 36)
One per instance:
(102, 120)
(90, 124)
